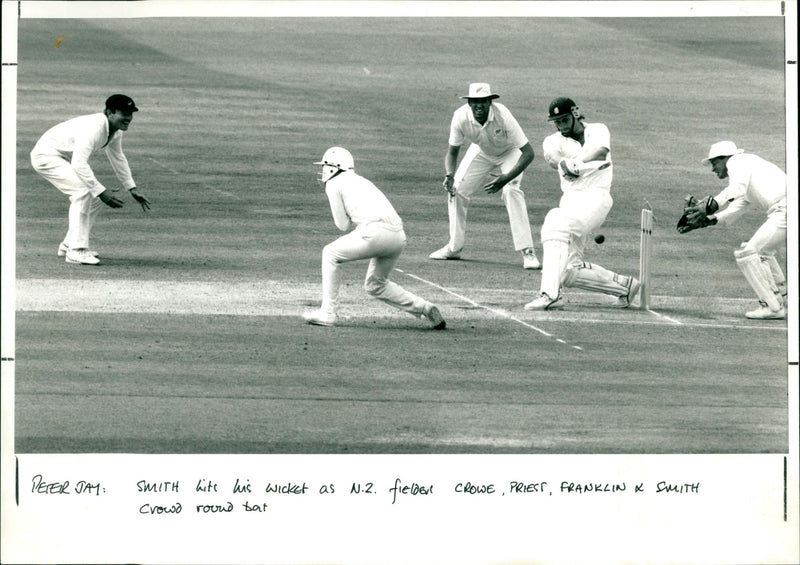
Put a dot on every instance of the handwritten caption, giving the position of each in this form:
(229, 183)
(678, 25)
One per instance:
(207, 496)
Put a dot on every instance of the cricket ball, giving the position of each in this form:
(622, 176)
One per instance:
(599, 238)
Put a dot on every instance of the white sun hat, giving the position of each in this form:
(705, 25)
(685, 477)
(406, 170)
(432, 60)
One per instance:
(480, 90)
(722, 149)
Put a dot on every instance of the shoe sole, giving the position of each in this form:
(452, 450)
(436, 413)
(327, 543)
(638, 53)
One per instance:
(71, 262)
(772, 317)
(318, 323)
(449, 257)
(435, 317)
(532, 268)
(557, 305)
(60, 253)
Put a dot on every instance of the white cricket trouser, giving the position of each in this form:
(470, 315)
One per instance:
(771, 235)
(83, 206)
(381, 243)
(475, 170)
(579, 213)
(564, 233)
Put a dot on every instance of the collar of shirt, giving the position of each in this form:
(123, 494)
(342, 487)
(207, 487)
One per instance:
(109, 136)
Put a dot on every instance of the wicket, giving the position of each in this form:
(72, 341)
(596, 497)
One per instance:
(645, 251)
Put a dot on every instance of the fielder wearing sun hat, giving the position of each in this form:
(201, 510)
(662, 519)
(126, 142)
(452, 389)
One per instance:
(480, 90)
(121, 102)
(722, 149)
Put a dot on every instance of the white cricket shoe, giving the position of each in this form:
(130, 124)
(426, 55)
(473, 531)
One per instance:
(445, 253)
(633, 289)
(431, 312)
(63, 248)
(320, 318)
(530, 260)
(81, 256)
(544, 302)
(764, 313)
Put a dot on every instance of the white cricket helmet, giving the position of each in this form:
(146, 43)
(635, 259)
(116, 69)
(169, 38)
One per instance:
(335, 160)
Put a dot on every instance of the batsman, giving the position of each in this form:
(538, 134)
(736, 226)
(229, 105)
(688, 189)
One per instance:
(752, 181)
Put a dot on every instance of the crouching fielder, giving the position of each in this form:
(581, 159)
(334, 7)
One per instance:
(752, 180)
(61, 156)
(378, 236)
(582, 155)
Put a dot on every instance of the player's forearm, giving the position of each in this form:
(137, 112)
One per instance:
(730, 213)
(593, 154)
(450, 160)
(551, 155)
(525, 159)
(119, 164)
(340, 217)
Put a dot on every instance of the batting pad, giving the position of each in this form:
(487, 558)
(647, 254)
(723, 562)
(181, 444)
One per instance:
(759, 276)
(554, 262)
(596, 279)
(777, 273)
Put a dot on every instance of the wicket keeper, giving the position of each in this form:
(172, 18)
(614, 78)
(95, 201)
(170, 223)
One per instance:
(752, 181)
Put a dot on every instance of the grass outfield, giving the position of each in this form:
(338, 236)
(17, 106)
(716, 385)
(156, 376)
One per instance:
(187, 338)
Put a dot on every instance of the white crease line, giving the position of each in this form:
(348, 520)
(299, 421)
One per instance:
(214, 188)
(500, 313)
(731, 326)
(676, 299)
(650, 322)
(674, 321)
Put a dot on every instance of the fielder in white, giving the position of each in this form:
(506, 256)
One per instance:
(581, 152)
(378, 236)
(752, 181)
(497, 155)
(62, 157)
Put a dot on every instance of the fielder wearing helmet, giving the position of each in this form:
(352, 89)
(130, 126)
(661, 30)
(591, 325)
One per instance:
(334, 161)
(375, 233)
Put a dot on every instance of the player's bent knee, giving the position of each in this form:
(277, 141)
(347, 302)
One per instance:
(571, 273)
(330, 255)
(745, 251)
(750, 248)
(374, 287)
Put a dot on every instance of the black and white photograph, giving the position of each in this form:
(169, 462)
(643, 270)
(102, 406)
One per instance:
(399, 283)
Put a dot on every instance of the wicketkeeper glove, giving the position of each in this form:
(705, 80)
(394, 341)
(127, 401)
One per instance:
(695, 214)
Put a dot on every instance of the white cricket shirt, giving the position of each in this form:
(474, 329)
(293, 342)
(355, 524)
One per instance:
(356, 201)
(75, 140)
(497, 136)
(556, 147)
(751, 179)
